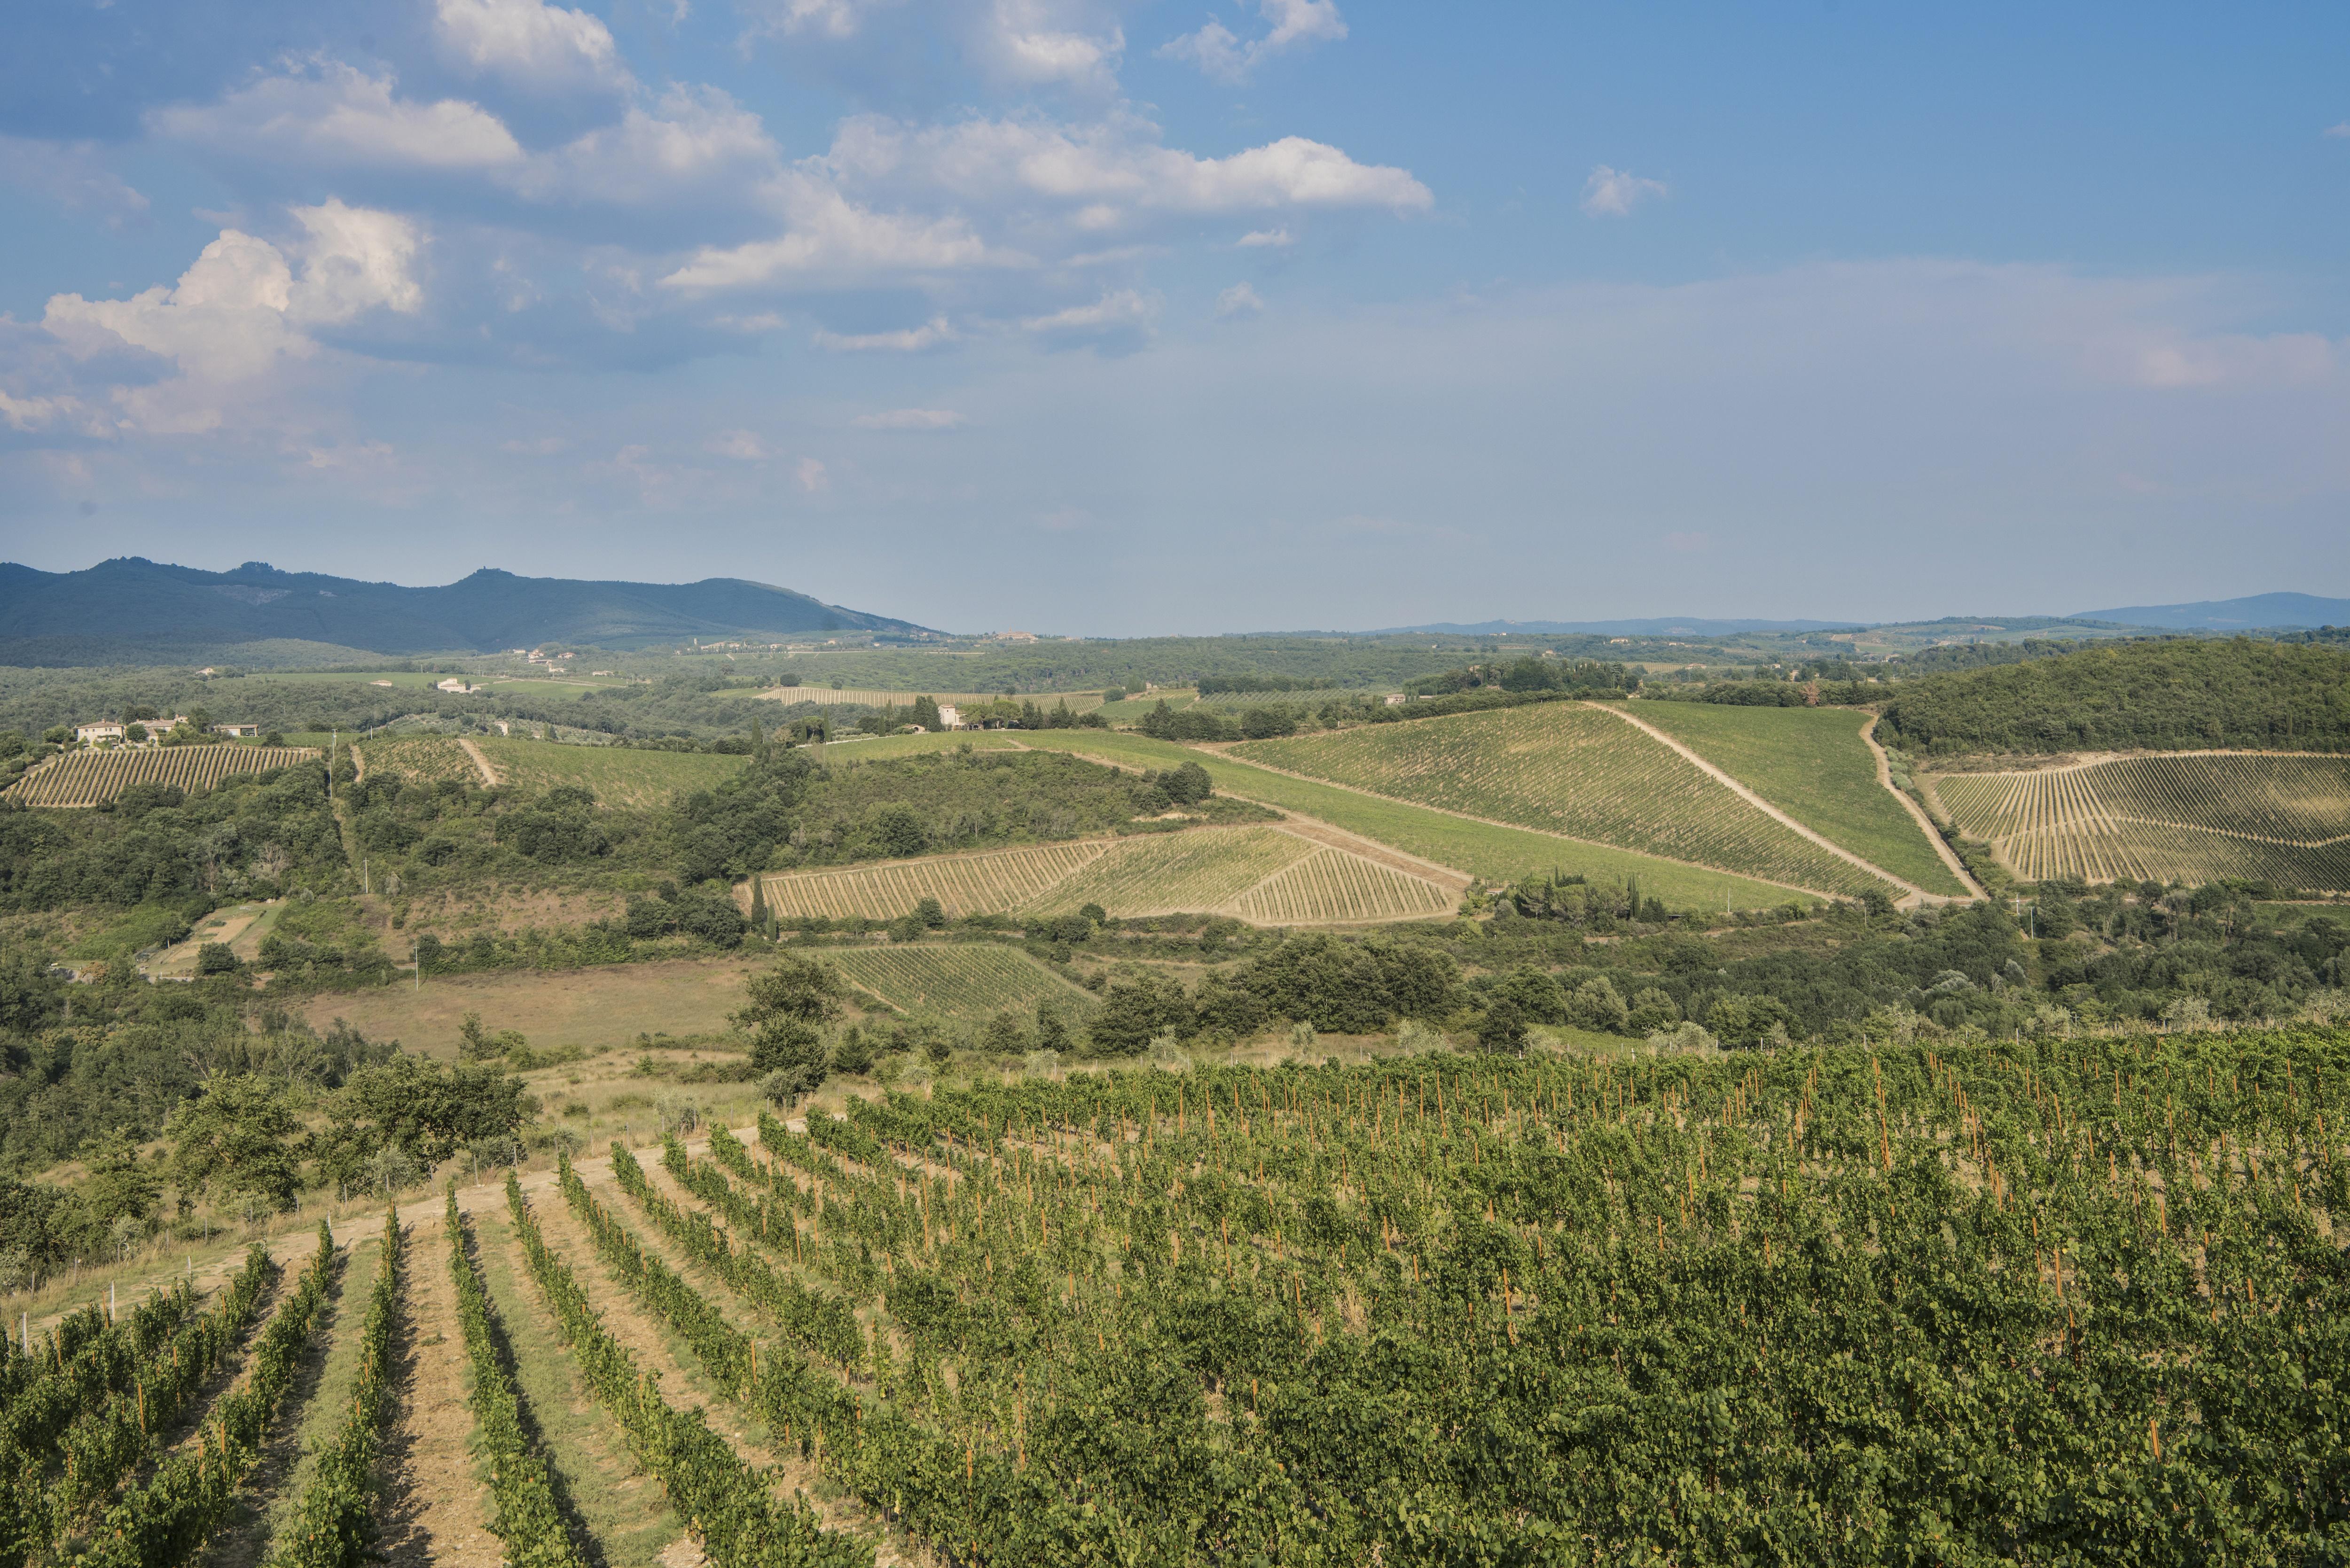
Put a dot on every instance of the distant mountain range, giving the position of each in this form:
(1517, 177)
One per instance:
(132, 610)
(2260, 611)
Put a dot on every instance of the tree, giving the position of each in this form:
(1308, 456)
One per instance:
(785, 1010)
(238, 1134)
(1501, 1029)
(759, 916)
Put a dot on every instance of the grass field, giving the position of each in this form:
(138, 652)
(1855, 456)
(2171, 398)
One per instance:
(595, 1008)
(956, 980)
(1811, 763)
(1497, 854)
(424, 759)
(1257, 874)
(618, 775)
(2191, 817)
(91, 778)
(1566, 768)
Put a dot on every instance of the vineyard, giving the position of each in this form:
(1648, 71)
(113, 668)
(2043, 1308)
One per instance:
(1258, 874)
(2187, 817)
(93, 778)
(1568, 769)
(873, 697)
(1813, 764)
(2064, 1301)
(956, 981)
(618, 775)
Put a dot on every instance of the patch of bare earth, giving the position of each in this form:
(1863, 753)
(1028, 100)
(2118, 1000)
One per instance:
(431, 1500)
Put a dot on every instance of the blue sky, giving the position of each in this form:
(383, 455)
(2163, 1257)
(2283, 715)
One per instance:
(1118, 318)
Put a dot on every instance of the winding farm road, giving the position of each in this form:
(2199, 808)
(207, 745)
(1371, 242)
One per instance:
(489, 774)
(1916, 894)
(1958, 868)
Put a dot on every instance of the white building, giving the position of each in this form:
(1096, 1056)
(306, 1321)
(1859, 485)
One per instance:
(91, 734)
(950, 716)
(240, 732)
(456, 685)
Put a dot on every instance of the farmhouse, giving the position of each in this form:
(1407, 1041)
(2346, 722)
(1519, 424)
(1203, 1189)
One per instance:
(454, 684)
(950, 716)
(238, 731)
(92, 734)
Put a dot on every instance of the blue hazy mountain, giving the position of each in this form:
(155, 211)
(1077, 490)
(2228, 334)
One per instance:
(128, 609)
(2259, 611)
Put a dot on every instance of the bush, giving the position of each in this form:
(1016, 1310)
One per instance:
(215, 958)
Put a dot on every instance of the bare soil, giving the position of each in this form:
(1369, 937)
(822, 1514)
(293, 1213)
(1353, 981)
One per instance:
(431, 1499)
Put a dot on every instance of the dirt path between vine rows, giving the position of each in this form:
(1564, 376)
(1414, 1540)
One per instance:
(1958, 868)
(1916, 895)
(434, 1506)
(489, 774)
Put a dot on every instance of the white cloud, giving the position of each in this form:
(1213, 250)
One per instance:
(1239, 299)
(1278, 239)
(832, 239)
(811, 476)
(72, 173)
(740, 444)
(1217, 50)
(1122, 317)
(835, 19)
(1116, 160)
(334, 114)
(763, 321)
(910, 419)
(2340, 129)
(933, 334)
(38, 413)
(1032, 43)
(1612, 192)
(238, 312)
(354, 260)
(700, 143)
(527, 41)
(2235, 361)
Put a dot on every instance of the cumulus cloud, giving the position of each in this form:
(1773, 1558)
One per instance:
(1096, 168)
(334, 114)
(1613, 192)
(696, 143)
(739, 444)
(526, 41)
(833, 240)
(2340, 129)
(1279, 239)
(910, 419)
(1220, 52)
(71, 173)
(1035, 42)
(240, 311)
(355, 259)
(1239, 300)
(811, 476)
(1118, 320)
(934, 333)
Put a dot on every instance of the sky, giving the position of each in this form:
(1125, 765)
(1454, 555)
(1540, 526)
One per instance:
(1203, 316)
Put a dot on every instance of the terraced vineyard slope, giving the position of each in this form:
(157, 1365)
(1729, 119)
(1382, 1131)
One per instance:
(956, 981)
(1565, 768)
(1494, 851)
(93, 778)
(1811, 763)
(1259, 873)
(2195, 817)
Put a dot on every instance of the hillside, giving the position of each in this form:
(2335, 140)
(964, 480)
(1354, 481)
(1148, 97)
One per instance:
(132, 609)
(2173, 694)
(2269, 610)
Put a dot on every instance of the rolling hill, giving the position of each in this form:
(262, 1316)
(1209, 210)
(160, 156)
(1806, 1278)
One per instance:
(132, 609)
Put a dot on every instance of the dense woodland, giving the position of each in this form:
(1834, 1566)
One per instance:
(2171, 694)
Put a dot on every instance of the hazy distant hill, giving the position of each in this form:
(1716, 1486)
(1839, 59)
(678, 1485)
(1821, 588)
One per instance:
(2263, 610)
(133, 609)
(1653, 626)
